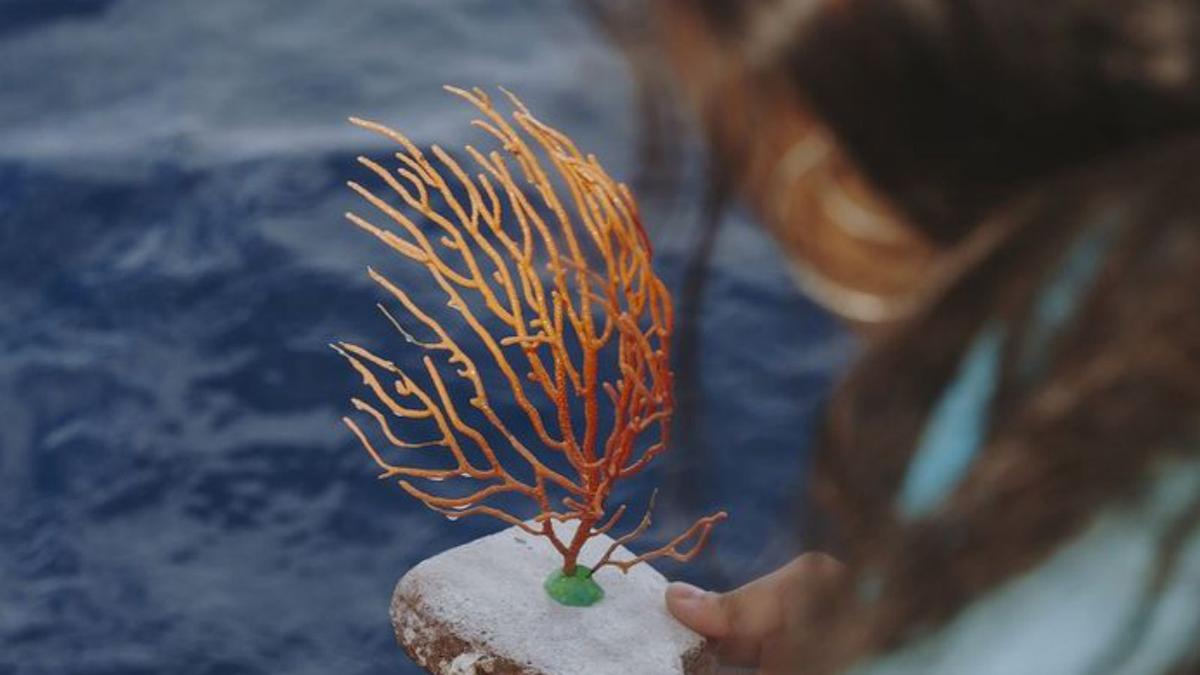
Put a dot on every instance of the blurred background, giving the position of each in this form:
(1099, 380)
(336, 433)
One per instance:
(177, 494)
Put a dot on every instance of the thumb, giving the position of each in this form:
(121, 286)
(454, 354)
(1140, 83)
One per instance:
(698, 609)
(743, 619)
(738, 620)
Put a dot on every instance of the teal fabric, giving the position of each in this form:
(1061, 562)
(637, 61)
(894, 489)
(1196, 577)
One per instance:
(956, 428)
(958, 423)
(1090, 609)
(1093, 607)
(1061, 297)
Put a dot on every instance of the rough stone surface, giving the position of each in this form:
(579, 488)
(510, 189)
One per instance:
(480, 608)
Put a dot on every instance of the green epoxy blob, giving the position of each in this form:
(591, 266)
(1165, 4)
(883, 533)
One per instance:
(577, 590)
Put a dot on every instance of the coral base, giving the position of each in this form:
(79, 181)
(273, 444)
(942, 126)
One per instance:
(481, 608)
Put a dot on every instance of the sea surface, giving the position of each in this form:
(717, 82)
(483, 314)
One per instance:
(177, 493)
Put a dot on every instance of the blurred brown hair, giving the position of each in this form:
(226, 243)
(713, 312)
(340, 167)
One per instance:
(865, 131)
(929, 163)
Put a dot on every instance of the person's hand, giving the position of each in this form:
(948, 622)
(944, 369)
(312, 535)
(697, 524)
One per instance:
(749, 623)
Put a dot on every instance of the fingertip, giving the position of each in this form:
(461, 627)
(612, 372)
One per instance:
(697, 609)
(683, 592)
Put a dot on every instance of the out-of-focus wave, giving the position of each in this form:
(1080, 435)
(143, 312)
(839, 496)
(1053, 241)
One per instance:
(176, 493)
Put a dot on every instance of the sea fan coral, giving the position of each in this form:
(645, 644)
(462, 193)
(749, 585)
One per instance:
(558, 303)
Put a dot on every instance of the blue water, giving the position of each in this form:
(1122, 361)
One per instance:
(176, 492)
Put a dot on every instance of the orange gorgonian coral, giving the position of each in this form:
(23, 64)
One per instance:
(542, 258)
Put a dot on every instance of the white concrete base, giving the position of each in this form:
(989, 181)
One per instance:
(480, 608)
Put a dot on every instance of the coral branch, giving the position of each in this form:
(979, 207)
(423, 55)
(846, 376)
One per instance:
(699, 530)
(543, 258)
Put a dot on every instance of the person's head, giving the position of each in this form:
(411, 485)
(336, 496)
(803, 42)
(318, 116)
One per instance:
(880, 141)
(873, 136)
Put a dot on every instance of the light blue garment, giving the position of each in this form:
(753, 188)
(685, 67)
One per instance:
(1069, 615)
(957, 426)
(955, 430)
(1061, 297)
(1089, 609)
